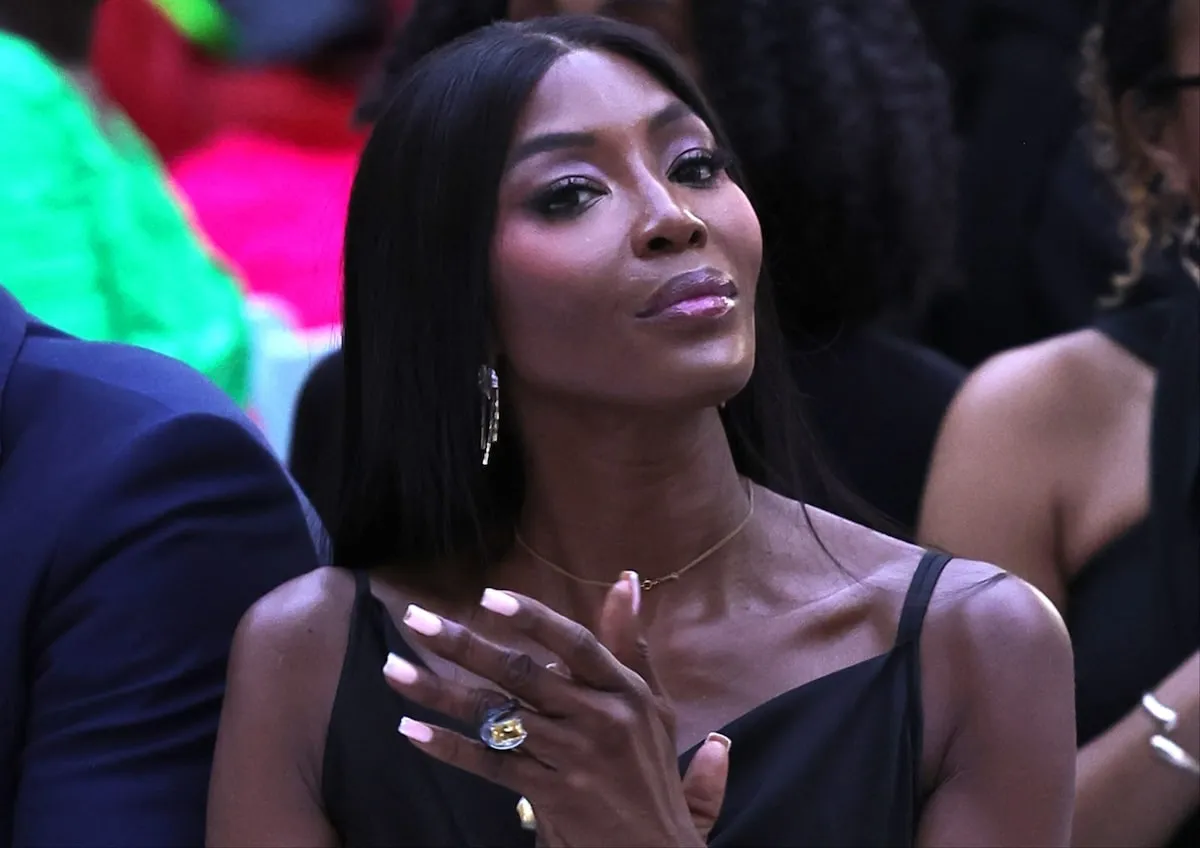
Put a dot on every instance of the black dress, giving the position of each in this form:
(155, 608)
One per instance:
(832, 762)
(1134, 610)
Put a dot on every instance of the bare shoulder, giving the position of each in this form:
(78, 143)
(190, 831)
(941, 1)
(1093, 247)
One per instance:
(991, 636)
(304, 620)
(980, 608)
(1046, 389)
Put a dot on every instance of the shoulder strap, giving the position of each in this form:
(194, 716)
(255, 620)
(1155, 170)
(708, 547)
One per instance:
(919, 593)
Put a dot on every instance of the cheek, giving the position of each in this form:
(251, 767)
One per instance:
(550, 292)
(734, 227)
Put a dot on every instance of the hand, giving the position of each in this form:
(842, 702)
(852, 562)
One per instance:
(620, 631)
(599, 765)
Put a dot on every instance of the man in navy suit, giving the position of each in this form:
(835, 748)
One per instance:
(140, 515)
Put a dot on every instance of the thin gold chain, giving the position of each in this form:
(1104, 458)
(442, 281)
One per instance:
(650, 582)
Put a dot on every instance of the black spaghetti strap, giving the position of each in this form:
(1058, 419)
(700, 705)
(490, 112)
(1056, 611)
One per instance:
(919, 593)
(362, 584)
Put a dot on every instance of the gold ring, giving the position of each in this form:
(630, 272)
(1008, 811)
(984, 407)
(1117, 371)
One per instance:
(525, 814)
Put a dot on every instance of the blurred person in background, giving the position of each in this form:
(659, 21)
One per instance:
(1039, 223)
(93, 237)
(1076, 462)
(840, 120)
(140, 516)
(250, 102)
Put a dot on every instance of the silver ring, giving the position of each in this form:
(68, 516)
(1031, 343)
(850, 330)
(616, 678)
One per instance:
(502, 729)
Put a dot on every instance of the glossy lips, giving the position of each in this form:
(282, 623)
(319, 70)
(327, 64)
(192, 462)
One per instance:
(704, 293)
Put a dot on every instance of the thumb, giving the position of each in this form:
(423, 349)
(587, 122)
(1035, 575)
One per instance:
(704, 783)
(620, 630)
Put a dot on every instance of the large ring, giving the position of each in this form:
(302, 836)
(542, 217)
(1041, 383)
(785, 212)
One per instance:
(502, 729)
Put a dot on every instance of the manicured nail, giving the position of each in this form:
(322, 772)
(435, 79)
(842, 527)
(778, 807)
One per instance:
(635, 589)
(416, 731)
(500, 603)
(400, 670)
(720, 739)
(422, 621)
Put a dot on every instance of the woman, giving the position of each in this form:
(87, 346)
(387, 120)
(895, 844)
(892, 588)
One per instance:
(562, 367)
(841, 123)
(1074, 462)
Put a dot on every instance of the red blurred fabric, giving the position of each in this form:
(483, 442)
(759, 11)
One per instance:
(178, 96)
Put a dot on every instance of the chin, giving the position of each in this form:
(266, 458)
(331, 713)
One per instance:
(715, 382)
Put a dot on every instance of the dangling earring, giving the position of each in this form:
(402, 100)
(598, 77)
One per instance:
(489, 426)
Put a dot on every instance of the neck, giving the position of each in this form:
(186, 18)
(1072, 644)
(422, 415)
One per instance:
(605, 495)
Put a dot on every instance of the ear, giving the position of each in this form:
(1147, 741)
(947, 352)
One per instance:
(1158, 134)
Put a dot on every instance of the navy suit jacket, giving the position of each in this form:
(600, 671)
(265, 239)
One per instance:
(140, 515)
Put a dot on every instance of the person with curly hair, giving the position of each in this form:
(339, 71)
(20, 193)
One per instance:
(840, 121)
(1075, 462)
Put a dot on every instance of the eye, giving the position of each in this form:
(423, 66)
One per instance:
(567, 198)
(700, 168)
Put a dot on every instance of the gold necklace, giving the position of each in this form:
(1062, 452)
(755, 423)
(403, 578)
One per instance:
(650, 582)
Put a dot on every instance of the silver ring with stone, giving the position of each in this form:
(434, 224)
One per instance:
(501, 728)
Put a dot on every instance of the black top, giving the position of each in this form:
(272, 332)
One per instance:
(876, 403)
(1134, 610)
(832, 762)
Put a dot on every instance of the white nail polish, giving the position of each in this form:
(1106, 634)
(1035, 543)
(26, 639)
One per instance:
(500, 603)
(422, 621)
(400, 670)
(635, 589)
(720, 739)
(415, 730)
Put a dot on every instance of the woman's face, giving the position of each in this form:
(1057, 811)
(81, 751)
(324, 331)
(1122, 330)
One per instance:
(670, 19)
(624, 260)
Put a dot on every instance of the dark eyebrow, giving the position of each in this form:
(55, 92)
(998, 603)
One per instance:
(550, 141)
(665, 117)
(565, 141)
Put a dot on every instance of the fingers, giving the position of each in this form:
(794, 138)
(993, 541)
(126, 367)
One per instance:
(545, 743)
(512, 671)
(577, 648)
(505, 768)
(705, 781)
(620, 629)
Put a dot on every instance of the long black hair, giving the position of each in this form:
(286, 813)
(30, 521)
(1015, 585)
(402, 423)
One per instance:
(418, 308)
(842, 121)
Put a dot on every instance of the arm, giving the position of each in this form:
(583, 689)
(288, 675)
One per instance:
(283, 675)
(991, 494)
(1001, 658)
(1125, 794)
(191, 524)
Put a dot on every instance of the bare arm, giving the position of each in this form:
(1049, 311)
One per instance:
(287, 655)
(1000, 657)
(1126, 796)
(992, 494)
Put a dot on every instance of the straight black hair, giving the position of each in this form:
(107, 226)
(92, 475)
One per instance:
(418, 310)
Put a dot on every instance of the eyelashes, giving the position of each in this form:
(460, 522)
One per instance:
(571, 196)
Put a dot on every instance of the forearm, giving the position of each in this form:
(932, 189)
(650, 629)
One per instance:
(1126, 795)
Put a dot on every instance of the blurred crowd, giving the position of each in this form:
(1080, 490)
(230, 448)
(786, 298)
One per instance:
(979, 219)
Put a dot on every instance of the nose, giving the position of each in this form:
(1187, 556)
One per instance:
(667, 227)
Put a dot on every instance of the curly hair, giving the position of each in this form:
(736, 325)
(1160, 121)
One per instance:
(841, 122)
(1124, 56)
